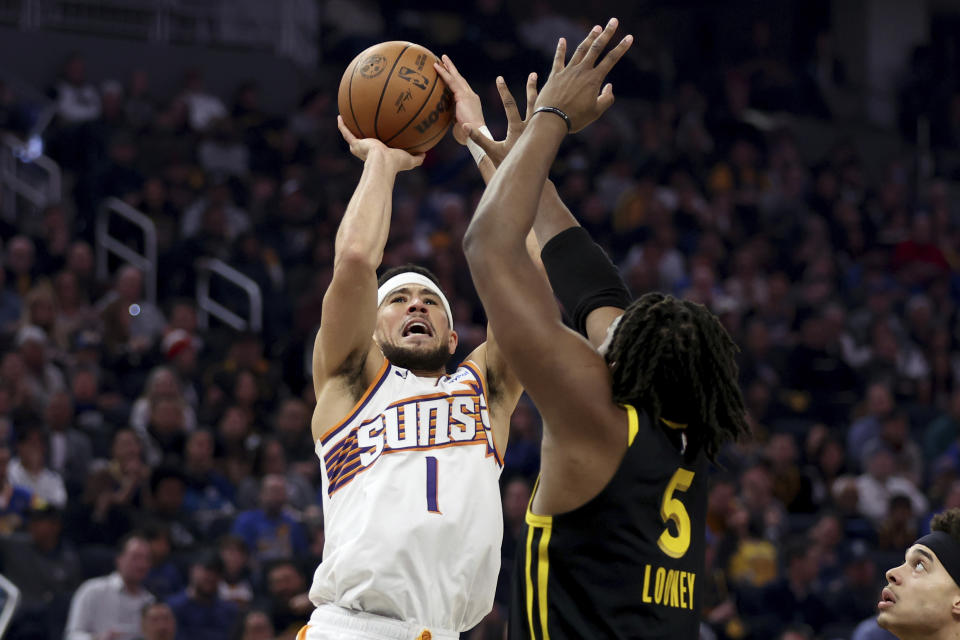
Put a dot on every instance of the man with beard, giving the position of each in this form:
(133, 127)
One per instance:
(411, 455)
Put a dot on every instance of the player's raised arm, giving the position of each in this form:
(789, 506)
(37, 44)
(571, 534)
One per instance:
(580, 272)
(554, 365)
(350, 303)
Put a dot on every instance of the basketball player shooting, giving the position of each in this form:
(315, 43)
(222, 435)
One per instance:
(411, 456)
(615, 530)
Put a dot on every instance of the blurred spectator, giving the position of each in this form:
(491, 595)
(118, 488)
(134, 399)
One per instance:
(46, 570)
(158, 622)
(10, 305)
(29, 468)
(292, 427)
(77, 99)
(271, 532)
(880, 482)
(70, 450)
(878, 404)
(199, 611)
(162, 384)
(164, 578)
(42, 377)
(203, 107)
(765, 512)
(111, 606)
(235, 584)
(898, 529)
(257, 626)
(271, 460)
(795, 598)
(14, 500)
(287, 601)
(140, 106)
(209, 495)
(167, 488)
(894, 438)
(941, 435)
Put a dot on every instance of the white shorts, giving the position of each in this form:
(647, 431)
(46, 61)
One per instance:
(330, 622)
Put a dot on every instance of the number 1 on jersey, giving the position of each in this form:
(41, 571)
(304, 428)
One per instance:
(432, 505)
(672, 509)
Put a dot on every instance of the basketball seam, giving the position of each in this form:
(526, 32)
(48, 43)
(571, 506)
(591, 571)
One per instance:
(350, 98)
(417, 114)
(376, 116)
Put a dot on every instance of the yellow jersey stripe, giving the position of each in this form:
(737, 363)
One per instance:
(633, 424)
(530, 531)
(533, 519)
(543, 571)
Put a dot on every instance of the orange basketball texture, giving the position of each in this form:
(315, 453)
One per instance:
(392, 92)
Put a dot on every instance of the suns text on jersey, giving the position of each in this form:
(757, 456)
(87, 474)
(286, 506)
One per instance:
(413, 424)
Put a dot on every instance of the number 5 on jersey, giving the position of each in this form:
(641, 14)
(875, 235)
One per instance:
(672, 509)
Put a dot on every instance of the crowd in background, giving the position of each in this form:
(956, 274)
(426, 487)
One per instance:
(164, 463)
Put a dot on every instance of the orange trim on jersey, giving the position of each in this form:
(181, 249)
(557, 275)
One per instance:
(302, 634)
(377, 379)
(472, 366)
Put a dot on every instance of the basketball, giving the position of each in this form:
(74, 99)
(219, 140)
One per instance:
(392, 92)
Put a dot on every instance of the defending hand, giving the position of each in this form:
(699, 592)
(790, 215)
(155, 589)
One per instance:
(573, 87)
(399, 159)
(497, 150)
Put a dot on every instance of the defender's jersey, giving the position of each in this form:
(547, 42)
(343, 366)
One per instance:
(626, 565)
(411, 502)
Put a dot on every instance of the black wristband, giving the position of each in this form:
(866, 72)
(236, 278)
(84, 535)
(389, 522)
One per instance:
(560, 113)
(582, 276)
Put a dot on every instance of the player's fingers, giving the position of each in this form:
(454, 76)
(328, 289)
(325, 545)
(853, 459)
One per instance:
(605, 99)
(600, 42)
(614, 55)
(559, 56)
(345, 132)
(531, 93)
(509, 104)
(418, 158)
(448, 63)
(582, 48)
(482, 141)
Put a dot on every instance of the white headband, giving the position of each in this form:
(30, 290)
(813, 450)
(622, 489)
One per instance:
(408, 278)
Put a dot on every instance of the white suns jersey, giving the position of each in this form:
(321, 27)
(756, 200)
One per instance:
(411, 502)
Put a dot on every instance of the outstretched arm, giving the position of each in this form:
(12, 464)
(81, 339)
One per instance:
(580, 272)
(349, 305)
(555, 365)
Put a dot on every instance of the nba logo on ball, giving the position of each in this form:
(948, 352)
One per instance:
(408, 107)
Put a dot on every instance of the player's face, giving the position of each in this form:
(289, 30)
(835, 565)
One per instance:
(413, 329)
(920, 598)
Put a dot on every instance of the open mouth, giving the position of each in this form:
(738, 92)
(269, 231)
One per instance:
(887, 599)
(416, 327)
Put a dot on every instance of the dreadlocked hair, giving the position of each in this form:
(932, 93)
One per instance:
(674, 359)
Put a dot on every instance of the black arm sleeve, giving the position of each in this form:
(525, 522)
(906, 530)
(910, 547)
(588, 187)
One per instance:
(582, 275)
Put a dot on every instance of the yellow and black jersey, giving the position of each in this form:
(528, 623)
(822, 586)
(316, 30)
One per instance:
(628, 563)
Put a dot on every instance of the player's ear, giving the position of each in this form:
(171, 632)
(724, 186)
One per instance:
(452, 341)
(955, 603)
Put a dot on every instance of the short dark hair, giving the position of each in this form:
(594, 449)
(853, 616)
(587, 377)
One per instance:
(947, 521)
(409, 267)
(150, 605)
(674, 359)
(133, 535)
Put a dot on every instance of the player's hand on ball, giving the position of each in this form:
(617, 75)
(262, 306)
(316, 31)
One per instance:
(362, 148)
(497, 150)
(573, 86)
(469, 109)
